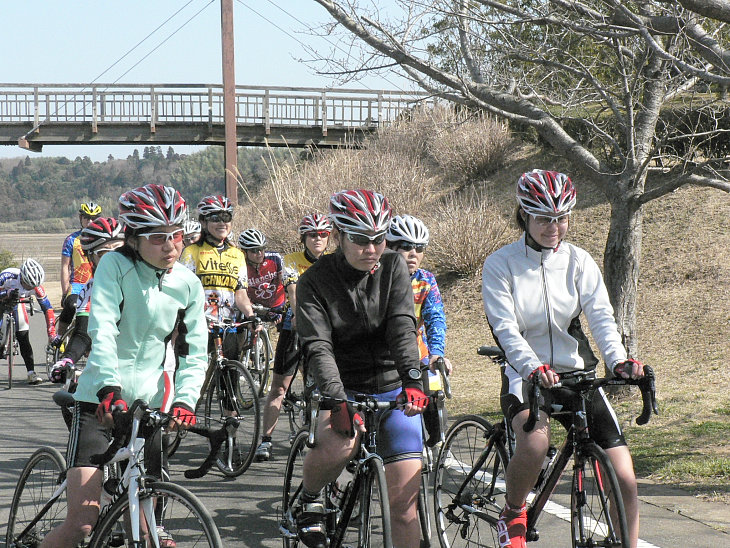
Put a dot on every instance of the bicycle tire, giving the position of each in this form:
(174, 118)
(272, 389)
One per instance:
(234, 461)
(424, 513)
(42, 474)
(294, 404)
(180, 512)
(590, 504)
(466, 513)
(293, 474)
(371, 526)
(10, 349)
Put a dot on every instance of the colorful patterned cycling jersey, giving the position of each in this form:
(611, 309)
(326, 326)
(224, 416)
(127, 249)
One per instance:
(429, 314)
(267, 282)
(81, 270)
(222, 271)
(10, 280)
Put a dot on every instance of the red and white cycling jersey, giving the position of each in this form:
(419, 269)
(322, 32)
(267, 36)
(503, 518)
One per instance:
(267, 282)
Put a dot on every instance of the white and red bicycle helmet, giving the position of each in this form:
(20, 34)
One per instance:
(314, 222)
(406, 228)
(360, 211)
(547, 193)
(152, 206)
(214, 203)
(99, 232)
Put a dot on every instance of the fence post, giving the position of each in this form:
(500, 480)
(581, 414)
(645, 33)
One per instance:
(324, 114)
(94, 113)
(267, 114)
(36, 114)
(153, 110)
(210, 109)
(380, 109)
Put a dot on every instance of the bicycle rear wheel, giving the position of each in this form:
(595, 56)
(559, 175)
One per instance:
(424, 512)
(41, 477)
(232, 393)
(178, 513)
(370, 526)
(597, 511)
(467, 505)
(293, 474)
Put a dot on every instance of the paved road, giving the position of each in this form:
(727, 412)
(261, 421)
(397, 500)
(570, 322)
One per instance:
(246, 509)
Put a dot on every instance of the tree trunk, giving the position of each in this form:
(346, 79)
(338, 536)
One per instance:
(621, 266)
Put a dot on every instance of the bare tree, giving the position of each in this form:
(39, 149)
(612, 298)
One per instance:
(629, 93)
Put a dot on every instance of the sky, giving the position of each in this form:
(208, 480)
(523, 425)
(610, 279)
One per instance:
(85, 41)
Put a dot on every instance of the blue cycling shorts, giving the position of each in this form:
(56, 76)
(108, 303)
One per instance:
(399, 437)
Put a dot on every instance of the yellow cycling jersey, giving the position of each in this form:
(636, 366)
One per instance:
(297, 261)
(222, 271)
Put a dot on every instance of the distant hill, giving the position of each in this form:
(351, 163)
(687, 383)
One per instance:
(45, 192)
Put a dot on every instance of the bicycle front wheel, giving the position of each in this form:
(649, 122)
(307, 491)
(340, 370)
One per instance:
(370, 526)
(41, 477)
(424, 513)
(293, 475)
(179, 517)
(232, 394)
(597, 510)
(466, 504)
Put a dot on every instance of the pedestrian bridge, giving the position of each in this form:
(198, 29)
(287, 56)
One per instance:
(104, 114)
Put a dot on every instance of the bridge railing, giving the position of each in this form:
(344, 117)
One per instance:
(202, 103)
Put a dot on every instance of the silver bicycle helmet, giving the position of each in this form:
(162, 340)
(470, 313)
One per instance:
(251, 239)
(406, 228)
(32, 273)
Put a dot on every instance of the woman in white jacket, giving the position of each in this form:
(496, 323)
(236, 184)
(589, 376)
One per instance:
(534, 291)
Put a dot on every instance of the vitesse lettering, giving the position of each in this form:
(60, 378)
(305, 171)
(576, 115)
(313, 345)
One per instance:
(221, 267)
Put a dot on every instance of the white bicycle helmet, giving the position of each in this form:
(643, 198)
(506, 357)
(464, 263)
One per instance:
(251, 239)
(360, 211)
(547, 193)
(406, 228)
(32, 273)
(315, 222)
(214, 203)
(191, 227)
(152, 206)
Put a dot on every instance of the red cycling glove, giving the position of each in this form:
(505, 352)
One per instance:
(414, 396)
(111, 400)
(625, 369)
(342, 417)
(184, 414)
(544, 368)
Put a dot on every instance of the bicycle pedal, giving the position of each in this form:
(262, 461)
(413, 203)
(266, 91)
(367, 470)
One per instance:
(284, 530)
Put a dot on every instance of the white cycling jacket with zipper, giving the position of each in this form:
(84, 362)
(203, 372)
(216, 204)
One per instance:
(533, 300)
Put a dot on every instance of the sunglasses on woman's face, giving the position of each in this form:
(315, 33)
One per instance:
(160, 238)
(363, 240)
(321, 234)
(407, 246)
(544, 220)
(224, 217)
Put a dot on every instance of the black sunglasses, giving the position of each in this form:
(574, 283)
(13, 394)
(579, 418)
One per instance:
(219, 218)
(407, 246)
(363, 240)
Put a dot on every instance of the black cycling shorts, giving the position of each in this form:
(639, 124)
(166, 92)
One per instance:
(557, 402)
(286, 356)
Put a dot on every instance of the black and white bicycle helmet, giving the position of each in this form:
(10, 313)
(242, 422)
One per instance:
(99, 232)
(152, 206)
(360, 211)
(215, 203)
(32, 273)
(251, 238)
(314, 222)
(547, 193)
(191, 227)
(406, 228)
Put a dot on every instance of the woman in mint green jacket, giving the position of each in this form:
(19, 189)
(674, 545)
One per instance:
(142, 296)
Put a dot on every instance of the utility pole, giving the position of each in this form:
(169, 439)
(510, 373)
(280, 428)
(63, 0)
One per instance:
(230, 154)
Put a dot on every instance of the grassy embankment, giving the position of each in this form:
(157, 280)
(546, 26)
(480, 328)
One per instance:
(458, 176)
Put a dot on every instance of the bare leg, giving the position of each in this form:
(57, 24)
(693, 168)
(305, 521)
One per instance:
(530, 451)
(624, 467)
(326, 460)
(274, 399)
(82, 496)
(404, 481)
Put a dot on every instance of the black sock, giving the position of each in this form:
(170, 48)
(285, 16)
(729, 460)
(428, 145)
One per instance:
(309, 497)
(265, 439)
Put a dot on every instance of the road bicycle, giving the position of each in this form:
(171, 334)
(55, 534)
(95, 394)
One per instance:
(8, 342)
(230, 391)
(470, 483)
(56, 350)
(296, 400)
(357, 511)
(257, 354)
(141, 511)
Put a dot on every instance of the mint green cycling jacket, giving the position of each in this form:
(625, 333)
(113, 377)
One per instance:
(134, 312)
